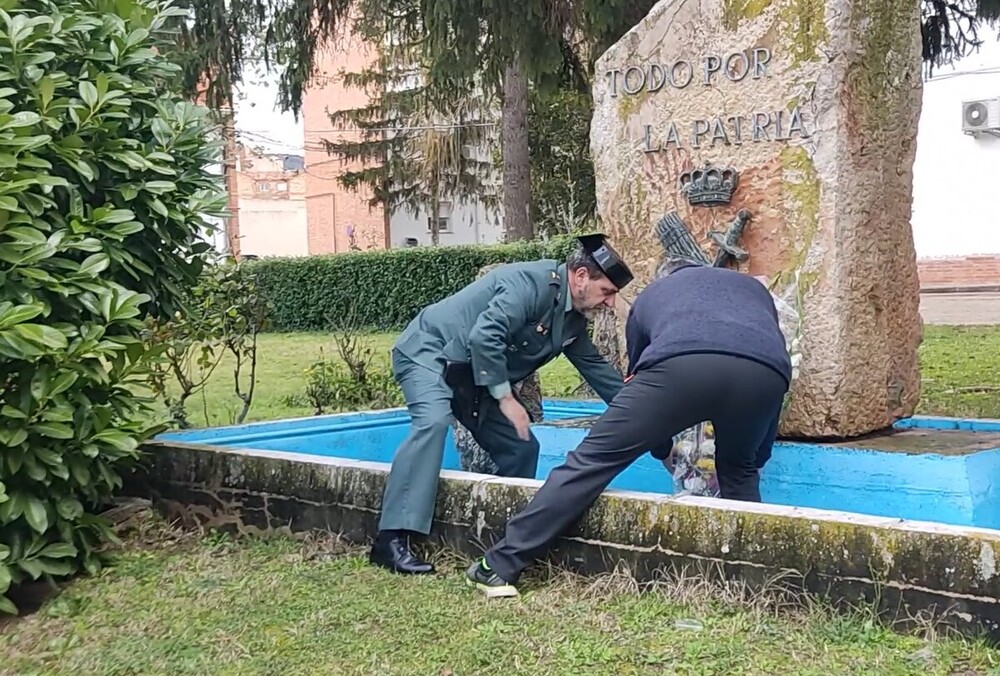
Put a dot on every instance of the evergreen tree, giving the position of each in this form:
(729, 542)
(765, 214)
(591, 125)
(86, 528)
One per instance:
(411, 153)
(218, 39)
(951, 30)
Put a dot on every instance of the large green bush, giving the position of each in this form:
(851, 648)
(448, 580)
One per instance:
(380, 289)
(103, 189)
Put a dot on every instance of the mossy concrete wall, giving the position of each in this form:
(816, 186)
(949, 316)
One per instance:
(904, 567)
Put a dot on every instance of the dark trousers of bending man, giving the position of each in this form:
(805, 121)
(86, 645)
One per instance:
(704, 344)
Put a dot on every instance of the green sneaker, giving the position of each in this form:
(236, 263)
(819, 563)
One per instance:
(485, 580)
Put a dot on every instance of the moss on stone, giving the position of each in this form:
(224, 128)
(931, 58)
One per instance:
(619, 515)
(876, 82)
(825, 547)
(924, 568)
(805, 29)
(802, 99)
(735, 11)
(640, 206)
(805, 192)
(629, 104)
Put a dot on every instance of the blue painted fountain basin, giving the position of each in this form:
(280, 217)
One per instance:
(959, 487)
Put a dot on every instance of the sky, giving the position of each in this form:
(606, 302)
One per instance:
(260, 122)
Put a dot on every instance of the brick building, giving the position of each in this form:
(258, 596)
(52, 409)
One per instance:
(959, 272)
(338, 219)
(271, 193)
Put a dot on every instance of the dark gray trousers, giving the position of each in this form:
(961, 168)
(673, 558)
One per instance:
(411, 489)
(742, 398)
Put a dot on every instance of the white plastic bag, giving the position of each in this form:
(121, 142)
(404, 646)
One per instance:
(789, 307)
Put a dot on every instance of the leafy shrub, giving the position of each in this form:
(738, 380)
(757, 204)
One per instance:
(394, 285)
(103, 191)
(223, 314)
(355, 381)
(332, 387)
(231, 290)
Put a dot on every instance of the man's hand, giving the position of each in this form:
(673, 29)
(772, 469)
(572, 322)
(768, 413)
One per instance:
(518, 417)
(665, 454)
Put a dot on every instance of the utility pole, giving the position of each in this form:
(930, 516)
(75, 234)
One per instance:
(229, 168)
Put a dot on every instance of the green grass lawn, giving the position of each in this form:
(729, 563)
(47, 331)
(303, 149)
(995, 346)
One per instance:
(960, 371)
(960, 365)
(177, 603)
(186, 603)
(283, 359)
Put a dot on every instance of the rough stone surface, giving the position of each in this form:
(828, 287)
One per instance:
(905, 568)
(605, 336)
(470, 453)
(830, 203)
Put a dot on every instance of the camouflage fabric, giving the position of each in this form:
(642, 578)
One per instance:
(471, 454)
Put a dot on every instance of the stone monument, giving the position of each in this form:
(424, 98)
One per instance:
(779, 137)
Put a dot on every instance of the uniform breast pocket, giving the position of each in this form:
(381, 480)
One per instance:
(529, 341)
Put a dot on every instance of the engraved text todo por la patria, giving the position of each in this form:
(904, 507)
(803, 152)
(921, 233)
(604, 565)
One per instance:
(779, 125)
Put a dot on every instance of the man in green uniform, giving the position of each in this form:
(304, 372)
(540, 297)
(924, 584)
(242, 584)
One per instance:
(459, 357)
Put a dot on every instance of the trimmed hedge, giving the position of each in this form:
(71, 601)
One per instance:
(382, 289)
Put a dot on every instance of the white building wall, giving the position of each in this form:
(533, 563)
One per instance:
(470, 223)
(956, 177)
(273, 228)
(217, 236)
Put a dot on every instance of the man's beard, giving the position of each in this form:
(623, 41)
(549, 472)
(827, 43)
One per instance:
(589, 314)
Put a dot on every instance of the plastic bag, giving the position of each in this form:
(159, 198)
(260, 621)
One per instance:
(789, 307)
(692, 460)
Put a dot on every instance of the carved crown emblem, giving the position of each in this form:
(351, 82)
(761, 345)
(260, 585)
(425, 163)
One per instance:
(709, 186)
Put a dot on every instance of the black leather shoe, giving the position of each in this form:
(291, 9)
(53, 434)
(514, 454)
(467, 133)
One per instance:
(392, 551)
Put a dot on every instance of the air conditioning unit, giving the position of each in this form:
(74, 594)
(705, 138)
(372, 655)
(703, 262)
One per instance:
(982, 116)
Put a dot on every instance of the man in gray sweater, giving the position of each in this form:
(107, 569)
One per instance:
(704, 344)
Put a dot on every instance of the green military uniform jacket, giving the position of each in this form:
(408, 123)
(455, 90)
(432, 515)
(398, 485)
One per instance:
(508, 324)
